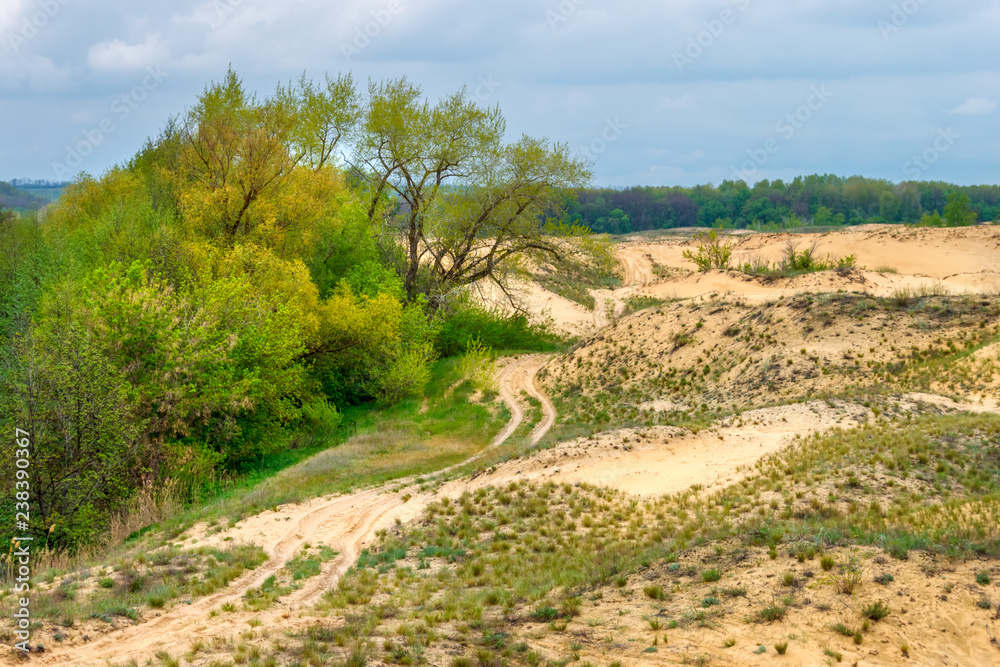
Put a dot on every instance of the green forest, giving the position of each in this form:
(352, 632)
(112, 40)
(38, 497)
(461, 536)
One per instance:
(822, 201)
(261, 266)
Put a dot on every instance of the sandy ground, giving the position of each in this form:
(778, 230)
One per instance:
(890, 257)
(660, 460)
(346, 523)
(932, 601)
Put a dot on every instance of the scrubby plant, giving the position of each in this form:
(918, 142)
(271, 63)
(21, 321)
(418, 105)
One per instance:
(712, 252)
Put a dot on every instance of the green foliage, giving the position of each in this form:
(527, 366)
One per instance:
(475, 205)
(712, 252)
(86, 442)
(875, 611)
(958, 212)
(819, 201)
(796, 262)
(466, 322)
(478, 366)
(932, 219)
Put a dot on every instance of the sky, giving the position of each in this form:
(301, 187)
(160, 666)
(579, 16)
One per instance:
(676, 92)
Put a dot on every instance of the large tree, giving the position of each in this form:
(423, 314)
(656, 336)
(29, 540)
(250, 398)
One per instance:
(454, 202)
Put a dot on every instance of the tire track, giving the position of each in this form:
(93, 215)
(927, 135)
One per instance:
(346, 523)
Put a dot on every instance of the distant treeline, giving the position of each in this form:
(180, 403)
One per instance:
(38, 183)
(13, 197)
(817, 200)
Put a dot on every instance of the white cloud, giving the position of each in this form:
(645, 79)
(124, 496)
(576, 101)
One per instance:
(9, 10)
(682, 103)
(117, 55)
(34, 74)
(975, 106)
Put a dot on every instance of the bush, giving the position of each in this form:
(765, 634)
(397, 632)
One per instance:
(478, 366)
(876, 611)
(771, 613)
(493, 329)
(712, 252)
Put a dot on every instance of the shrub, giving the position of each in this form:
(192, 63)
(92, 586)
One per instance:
(876, 611)
(493, 329)
(850, 579)
(712, 252)
(781, 647)
(545, 614)
(709, 576)
(655, 592)
(771, 613)
(478, 366)
(983, 578)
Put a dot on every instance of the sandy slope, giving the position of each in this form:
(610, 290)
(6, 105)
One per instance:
(957, 260)
(346, 523)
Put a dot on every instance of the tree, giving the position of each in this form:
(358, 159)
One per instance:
(713, 251)
(958, 211)
(260, 169)
(85, 453)
(825, 218)
(454, 203)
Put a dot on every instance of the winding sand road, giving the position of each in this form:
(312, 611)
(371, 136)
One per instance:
(346, 523)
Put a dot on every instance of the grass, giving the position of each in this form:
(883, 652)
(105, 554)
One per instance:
(150, 582)
(661, 354)
(574, 280)
(875, 611)
(404, 440)
(482, 566)
(772, 613)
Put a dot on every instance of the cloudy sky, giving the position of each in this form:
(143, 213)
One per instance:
(655, 92)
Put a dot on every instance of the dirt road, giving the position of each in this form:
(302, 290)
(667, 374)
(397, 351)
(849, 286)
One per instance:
(346, 523)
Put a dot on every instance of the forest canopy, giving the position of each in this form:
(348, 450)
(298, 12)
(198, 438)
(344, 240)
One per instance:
(820, 200)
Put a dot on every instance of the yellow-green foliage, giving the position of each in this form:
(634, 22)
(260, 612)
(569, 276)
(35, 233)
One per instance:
(712, 252)
(478, 366)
